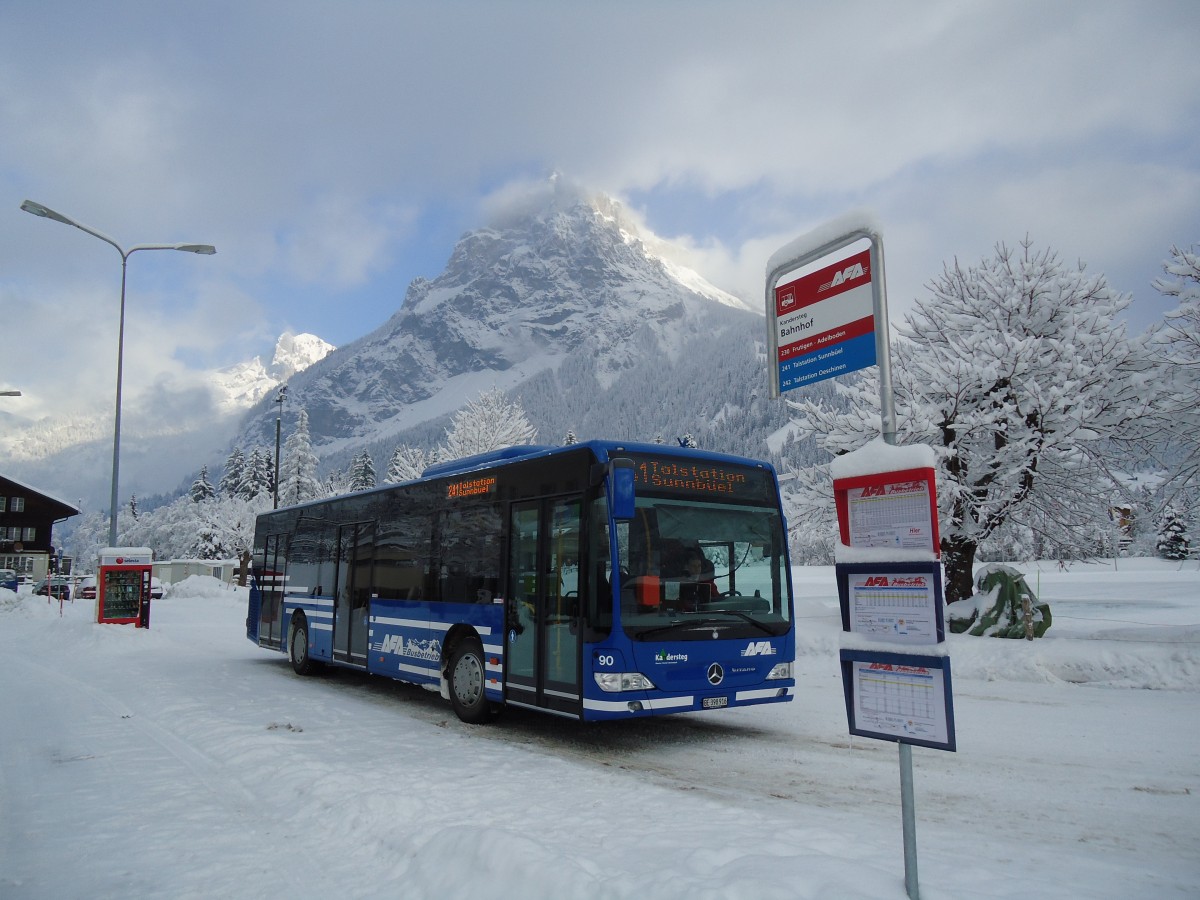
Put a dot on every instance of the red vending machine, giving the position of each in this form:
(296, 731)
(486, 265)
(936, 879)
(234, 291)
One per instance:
(123, 586)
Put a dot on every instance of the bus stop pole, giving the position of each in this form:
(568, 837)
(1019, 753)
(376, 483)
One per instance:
(908, 810)
(887, 412)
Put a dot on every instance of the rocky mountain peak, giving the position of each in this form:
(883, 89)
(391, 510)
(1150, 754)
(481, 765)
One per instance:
(554, 273)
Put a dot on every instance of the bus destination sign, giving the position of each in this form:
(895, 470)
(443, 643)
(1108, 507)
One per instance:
(688, 476)
(471, 487)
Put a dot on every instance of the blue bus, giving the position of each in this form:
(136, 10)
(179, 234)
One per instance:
(595, 581)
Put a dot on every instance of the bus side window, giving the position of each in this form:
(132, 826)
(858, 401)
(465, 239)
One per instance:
(469, 554)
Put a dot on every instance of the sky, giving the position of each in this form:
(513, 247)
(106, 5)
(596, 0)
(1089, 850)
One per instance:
(334, 152)
(183, 761)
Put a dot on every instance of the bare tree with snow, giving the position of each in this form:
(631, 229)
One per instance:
(489, 422)
(407, 464)
(1014, 370)
(1172, 437)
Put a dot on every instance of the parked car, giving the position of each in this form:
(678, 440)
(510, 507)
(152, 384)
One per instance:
(9, 580)
(156, 589)
(59, 587)
(87, 588)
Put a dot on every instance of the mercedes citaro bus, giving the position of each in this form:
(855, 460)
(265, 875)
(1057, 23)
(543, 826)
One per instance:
(595, 581)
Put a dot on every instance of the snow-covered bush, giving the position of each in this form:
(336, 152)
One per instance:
(997, 609)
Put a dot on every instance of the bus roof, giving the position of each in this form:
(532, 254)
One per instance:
(602, 450)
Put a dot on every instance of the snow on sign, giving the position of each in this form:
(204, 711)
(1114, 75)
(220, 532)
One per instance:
(893, 509)
(825, 323)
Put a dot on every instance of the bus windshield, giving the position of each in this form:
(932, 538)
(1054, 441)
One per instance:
(691, 569)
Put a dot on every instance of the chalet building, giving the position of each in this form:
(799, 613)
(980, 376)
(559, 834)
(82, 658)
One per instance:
(27, 519)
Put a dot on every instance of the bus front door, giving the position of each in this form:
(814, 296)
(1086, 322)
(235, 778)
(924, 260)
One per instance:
(352, 592)
(542, 630)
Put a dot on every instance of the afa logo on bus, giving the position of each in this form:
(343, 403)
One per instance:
(759, 648)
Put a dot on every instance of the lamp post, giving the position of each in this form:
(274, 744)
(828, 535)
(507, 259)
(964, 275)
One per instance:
(206, 249)
(278, 420)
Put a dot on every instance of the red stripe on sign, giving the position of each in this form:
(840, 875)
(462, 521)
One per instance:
(822, 284)
(830, 338)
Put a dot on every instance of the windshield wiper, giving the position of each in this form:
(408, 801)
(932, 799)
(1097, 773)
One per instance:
(745, 617)
(707, 622)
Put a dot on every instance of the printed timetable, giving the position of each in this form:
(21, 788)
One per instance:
(893, 603)
(893, 607)
(890, 515)
(905, 702)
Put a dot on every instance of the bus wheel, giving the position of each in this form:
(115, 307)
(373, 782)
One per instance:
(302, 663)
(466, 682)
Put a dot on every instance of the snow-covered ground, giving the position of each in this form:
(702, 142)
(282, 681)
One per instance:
(185, 762)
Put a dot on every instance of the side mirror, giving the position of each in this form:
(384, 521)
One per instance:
(620, 485)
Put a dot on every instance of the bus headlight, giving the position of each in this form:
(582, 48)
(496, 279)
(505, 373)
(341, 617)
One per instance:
(614, 682)
(781, 670)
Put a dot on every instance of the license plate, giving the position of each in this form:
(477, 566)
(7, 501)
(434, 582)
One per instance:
(713, 702)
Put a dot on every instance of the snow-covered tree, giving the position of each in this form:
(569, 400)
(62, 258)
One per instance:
(336, 483)
(226, 528)
(490, 422)
(298, 481)
(231, 478)
(362, 472)
(133, 507)
(201, 489)
(688, 441)
(407, 464)
(1175, 443)
(1014, 370)
(1174, 541)
(257, 476)
(569, 439)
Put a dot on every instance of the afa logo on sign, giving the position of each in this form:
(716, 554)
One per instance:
(843, 275)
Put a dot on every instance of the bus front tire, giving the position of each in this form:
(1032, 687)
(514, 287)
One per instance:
(467, 676)
(302, 663)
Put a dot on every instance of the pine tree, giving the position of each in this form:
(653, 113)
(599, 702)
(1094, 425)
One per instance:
(570, 439)
(362, 472)
(201, 489)
(298, 477)
(256, 476)
(688, 441)
(231, 478)
(1173, 538)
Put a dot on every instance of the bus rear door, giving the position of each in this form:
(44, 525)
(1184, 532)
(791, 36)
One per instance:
(352, 592)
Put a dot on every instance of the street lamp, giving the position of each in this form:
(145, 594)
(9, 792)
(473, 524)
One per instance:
(206, 249)
(278, 417)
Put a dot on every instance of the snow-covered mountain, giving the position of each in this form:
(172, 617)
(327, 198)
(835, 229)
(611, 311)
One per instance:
(68, 451)
(598, 328)
(239, 387)
(559, 301)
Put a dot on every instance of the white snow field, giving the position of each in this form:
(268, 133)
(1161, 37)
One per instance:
(185, 762)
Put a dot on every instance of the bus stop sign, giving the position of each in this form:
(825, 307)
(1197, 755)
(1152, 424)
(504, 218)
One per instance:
(829, 321)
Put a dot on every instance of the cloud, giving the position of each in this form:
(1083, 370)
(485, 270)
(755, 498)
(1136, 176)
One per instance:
(331, 153)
